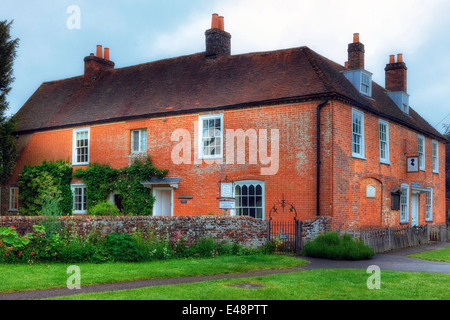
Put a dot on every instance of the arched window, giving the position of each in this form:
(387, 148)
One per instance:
(250, 198)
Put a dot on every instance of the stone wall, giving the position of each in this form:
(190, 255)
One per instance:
(247, 231)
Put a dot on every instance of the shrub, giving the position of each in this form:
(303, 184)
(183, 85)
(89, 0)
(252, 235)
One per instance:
(332, 246)
(104, 208)
(121, 247)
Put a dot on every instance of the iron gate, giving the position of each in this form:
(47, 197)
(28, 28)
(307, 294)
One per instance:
(285, 230)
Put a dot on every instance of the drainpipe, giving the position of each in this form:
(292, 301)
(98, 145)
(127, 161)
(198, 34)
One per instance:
(319, 107)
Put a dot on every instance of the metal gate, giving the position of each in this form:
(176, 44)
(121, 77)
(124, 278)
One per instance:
(285, 230)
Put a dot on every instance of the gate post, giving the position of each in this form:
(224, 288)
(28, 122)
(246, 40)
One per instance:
(298, 236)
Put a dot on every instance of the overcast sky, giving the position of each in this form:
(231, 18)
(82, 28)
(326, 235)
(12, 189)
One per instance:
(139, 31)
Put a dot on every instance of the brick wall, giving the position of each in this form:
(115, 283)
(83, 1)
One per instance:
(247, 231)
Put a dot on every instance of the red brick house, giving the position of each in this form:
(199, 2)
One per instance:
(287, 124)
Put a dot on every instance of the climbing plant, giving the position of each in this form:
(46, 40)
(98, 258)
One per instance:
(101, 180)
(45, 188)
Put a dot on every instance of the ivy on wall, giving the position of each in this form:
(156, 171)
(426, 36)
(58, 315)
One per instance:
(45, 189)
(101, 180)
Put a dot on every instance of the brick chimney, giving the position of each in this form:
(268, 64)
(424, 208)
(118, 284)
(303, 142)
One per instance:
(396, 72)
(356, 54)
(94, 65)
(218, 41)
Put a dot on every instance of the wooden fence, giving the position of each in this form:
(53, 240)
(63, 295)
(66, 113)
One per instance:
(387, 239)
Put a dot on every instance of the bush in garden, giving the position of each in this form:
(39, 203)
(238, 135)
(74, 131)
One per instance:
(104, 208)
(332, 246)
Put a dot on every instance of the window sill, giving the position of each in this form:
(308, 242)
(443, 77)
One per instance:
(358, 157)
(385, 162)
(80, 164)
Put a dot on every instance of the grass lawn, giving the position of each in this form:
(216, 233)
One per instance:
(319, 284)
(434, 255)
(42, 276)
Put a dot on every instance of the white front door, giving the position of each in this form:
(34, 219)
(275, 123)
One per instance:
(163, 202)
(415, 210)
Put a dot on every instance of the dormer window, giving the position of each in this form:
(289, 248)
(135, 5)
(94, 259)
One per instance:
(361, 79)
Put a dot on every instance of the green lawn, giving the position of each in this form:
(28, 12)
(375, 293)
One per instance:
(319, 284)
(434, 255)
(42, 276)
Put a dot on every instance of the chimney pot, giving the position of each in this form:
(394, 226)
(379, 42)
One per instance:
(355, 37)
(222, 23)
(392, 58)
(215, 21)
(106, 54)
(99, 51)
(400, 57)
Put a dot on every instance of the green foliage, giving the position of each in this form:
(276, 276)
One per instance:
(121, 247)
(102, 180)
(137, 199)
(8, 50)
(45, 189)
(104, 208)
(332, 246)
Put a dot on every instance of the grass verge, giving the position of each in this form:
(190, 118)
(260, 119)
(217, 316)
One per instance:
(15, 278)
(434, 255)
(318, 284)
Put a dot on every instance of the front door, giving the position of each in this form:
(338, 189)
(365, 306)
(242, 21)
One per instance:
(415, 210)
(163, 202)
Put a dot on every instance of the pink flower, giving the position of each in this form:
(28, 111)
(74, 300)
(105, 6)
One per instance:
(25, 238)
(12, 227)
(32, 254)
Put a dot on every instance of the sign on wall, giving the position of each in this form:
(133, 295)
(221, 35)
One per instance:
(226, 190)
(413, 164)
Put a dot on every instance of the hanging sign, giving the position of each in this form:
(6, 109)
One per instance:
(226, 190)
(413, 164)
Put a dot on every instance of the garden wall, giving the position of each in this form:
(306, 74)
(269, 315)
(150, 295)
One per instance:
(247, 231)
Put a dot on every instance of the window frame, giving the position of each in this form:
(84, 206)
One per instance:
(435, 157)
(421, 154)
(84, 196)
(142, 133)
(249, 183)
(429, 205)
(13, 199)
(362, 153)
(201, 154)
(75, 148)
(405, 219)
(386, 159)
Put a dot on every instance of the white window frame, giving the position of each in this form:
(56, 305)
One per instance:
(435, 155)
(386, 159)
(249, 183)
(13, 199)
(142, 141)
(79, 186)
(421, 153)
(201, 154)
(366, 87)
(361, 153)
(75, 149)
(429, 205)
(404, 218)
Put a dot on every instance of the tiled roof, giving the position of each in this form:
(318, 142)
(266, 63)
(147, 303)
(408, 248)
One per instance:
(194, 83)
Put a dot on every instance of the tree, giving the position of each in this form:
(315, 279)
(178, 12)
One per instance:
(8, 51)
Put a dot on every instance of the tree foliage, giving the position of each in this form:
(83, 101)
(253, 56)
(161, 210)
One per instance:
(8, 52)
